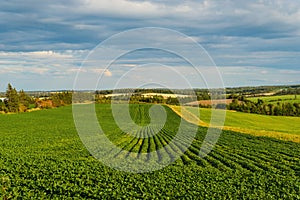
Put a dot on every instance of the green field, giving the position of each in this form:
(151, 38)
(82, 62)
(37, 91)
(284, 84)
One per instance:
(282, 124)
(278, 98)
(42, 157)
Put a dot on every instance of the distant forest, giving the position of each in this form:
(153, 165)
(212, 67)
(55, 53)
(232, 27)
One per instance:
(14, 101)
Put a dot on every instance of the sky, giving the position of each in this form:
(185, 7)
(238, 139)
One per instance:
(67, 44)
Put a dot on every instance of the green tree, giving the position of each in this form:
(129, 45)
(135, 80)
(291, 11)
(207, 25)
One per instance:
(24, 98)
(234, 105)
(278, 109)
(271, 109)
(56, 100)
(289, 109)
(2, 106)
(297, 109)
(12, 101)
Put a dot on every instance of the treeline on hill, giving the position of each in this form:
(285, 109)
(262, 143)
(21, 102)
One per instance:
(56, 99)
(138, 98)
(137, 95)
(158, 95)
(202, 94)
(15, 101)
(260, 90)
(241, 104)
(295, 90)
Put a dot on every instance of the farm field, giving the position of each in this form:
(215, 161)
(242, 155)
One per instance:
(282, 127)
(278, 98)
(43, 157)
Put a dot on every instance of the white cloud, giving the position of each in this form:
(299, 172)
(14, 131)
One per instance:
(38, 55)
(253, 75)
(120, 7)
(39, 62)
(107, 73)
(98, 71)
(42, 39)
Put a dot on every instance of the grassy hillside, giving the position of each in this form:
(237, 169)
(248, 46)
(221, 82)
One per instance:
(42, 157)
(256, 124)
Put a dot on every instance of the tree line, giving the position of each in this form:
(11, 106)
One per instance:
(287, 91)
(18, 101)
(138, 98)
(15, 101)
(260, 107)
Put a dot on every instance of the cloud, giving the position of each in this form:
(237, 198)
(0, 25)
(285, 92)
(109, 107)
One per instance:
(254, 76)
(84, 23)
(107, 73)
(51, 38)
(98, 71)
(121, 8)
(40, 63)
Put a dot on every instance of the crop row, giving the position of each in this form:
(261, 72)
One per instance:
(224, 156)
(42, 157)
